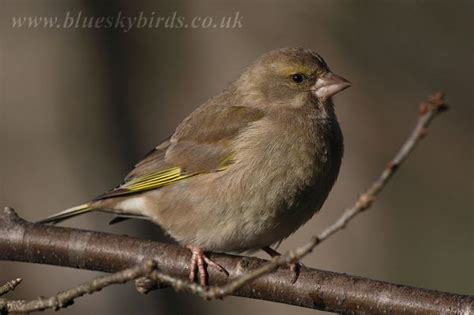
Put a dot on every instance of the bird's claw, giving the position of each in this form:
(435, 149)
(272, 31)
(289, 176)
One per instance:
(295, 268)
(198, 263)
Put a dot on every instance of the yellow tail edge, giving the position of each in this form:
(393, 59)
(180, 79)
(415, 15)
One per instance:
(66, 214)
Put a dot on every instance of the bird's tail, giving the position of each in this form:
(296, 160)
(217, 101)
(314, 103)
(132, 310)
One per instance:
(66, 214)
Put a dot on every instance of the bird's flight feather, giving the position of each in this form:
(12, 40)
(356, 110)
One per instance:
(194, 149)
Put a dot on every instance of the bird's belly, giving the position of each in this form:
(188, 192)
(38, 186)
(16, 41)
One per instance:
(219, 214)
(258, 230)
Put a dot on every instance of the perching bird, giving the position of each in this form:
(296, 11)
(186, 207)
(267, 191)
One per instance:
(247, 168)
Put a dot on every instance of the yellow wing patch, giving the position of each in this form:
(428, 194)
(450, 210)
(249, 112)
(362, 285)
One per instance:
(165, 177)
(155, 179)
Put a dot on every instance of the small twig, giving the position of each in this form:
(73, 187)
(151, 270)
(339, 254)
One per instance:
(66, 298)
(63, 299)
(428, 110)
(10, 286)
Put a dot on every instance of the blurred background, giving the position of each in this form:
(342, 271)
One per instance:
(79, 106)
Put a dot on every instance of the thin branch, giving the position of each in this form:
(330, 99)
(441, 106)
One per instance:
(10, 286)
(249, 277)
(66, 298)
(428, 110)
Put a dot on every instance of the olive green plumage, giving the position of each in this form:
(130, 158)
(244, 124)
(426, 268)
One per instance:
(246, 168)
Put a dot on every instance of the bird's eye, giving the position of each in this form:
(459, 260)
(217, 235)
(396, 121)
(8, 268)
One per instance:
(297, 77)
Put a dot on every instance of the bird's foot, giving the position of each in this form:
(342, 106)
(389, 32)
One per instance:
(198, 263)
(295, 267)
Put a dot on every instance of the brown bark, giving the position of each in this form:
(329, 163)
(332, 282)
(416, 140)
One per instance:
(318, 289)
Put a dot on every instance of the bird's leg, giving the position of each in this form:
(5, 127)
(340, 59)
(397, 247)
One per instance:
(295, 267)
(198, 263)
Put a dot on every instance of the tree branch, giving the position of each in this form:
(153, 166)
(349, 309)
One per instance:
(324, 290)
(249, 277)
(66, 298)
(10, 286)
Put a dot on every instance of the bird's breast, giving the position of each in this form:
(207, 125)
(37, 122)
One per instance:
(285, 173)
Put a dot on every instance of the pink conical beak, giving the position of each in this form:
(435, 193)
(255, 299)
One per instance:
(329, 84)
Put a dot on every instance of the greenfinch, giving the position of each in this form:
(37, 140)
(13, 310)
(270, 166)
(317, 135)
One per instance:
(246, 169)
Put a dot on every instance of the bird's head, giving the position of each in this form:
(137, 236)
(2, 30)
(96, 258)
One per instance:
(291, 76)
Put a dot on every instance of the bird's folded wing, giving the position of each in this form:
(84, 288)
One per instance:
(201, 144)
